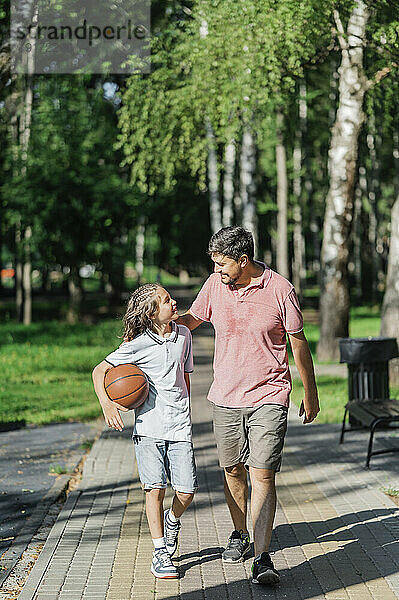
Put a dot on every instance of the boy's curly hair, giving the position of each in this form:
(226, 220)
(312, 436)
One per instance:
(143, 304)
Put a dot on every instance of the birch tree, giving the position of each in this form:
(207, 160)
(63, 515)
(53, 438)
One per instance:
(390, 306)
(213, 180)
(334, 297)
(298, 268)
(238, 68)
(247, 185)
(342, 167)
(228, 183)
(282, 201)
(24, 231)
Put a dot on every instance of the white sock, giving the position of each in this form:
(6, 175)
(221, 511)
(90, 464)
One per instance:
(158, 543)
(172, 517)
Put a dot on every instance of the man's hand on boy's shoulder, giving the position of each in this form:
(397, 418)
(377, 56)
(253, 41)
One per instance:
(189, 320)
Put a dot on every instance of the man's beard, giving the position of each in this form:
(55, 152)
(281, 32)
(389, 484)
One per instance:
(232, 280)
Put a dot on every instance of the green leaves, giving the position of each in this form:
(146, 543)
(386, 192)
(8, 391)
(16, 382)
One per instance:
(227, 62)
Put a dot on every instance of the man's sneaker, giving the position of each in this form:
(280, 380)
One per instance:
(171, 533)
(237, 547)
(162, 566)
(263, 570)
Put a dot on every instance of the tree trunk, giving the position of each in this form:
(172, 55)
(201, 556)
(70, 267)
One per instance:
(18, 274)
(395, 153)
(213, 174)
(282, 202)
(27, 278)
(24, 136)
(75, 296)
(46, 283)
(373, 193)
(213, 180)
(248, 187)
(116, 278)
(140, 245)
(228, 183)
(361, 191)
(298, 271)
(334, 299)
(237, 205)
(334, 76)
(390, 305)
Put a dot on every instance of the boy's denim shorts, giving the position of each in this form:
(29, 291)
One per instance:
(160, 460)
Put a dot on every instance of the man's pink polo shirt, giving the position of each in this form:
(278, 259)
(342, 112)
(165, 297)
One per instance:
(251, 363)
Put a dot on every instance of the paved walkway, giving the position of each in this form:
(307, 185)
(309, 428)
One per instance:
(27, 488)
(336, 534)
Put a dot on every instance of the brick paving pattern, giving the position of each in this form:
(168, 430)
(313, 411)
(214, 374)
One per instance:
(336, 533)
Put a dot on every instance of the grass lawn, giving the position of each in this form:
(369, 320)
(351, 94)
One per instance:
(333, 395)
(364, 321)
(47, 367)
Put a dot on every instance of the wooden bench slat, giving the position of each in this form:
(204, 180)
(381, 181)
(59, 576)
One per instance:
(369, 411)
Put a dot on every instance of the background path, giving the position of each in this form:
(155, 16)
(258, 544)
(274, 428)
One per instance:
(335, 537)
(27, 488)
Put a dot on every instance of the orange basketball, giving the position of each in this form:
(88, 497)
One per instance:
(127, 385)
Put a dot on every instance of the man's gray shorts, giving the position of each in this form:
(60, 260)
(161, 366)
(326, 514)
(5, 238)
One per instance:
(253, 436)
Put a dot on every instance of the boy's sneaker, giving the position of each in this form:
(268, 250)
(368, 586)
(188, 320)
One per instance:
(162, 566)
(263, 570)
(171, 533)
(237, 547)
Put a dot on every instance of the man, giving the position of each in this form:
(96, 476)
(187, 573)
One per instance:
(252, 308)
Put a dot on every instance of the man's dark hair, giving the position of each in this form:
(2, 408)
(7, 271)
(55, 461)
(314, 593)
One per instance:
(232, 242)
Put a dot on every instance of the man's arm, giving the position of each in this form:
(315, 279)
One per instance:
(189, 320)
(303, 360)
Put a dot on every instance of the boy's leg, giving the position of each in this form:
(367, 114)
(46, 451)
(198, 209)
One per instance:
(182, 473)
(181, 501)
(154, 510)
(151, 457)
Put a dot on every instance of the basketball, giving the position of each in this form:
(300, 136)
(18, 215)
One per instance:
(127, 385)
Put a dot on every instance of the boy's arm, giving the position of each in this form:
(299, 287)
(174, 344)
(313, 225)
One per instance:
(187, 380)
(303, 360)
(110, 408)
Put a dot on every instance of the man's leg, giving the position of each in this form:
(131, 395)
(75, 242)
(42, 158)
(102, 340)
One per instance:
(263, 507)
(266, 426)
(236, 493)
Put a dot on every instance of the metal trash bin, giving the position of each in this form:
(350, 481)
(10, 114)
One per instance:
(368, 373)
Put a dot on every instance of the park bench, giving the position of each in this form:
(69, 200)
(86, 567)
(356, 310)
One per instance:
(371, 414)
(369, 405)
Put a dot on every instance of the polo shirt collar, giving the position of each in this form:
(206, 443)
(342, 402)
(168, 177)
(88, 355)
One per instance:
(264, 278)
(161, 340)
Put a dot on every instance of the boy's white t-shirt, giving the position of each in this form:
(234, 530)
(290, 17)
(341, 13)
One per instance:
(166, 412)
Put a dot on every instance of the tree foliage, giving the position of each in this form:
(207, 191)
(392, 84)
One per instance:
(228, 62)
